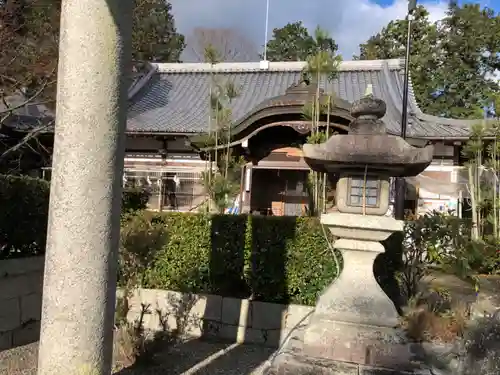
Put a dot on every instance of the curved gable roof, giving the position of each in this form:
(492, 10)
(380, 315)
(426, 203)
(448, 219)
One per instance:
(175, 98)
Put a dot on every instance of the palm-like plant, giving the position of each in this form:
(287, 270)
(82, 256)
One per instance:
(221, 95)
(231, 93)
(321, 66)
(211, 56)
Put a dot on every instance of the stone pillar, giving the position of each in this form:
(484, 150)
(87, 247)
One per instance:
(85, 198)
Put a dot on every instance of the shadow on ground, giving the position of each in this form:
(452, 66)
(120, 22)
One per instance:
(203, 357)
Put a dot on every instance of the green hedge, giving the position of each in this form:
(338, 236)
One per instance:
(273, 259)
(24, 203)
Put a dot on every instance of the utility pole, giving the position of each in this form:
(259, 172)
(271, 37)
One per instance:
(85, 194)
(399, 208)
(266, 31)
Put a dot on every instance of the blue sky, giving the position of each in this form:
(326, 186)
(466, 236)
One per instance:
(350, 22)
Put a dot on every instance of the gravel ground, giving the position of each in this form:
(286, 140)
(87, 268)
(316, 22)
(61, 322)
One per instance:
(188, 358)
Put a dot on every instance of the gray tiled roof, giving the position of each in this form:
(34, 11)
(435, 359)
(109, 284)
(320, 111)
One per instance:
(175, 98)
(24, 107)
(25, 116)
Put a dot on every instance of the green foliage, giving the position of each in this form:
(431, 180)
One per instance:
(427, 239)
(219, 189)
(183, 264)
(452, 59)
(29, 34)
(473, 258)
(223, 183)
(24, 203)
(154, 35)
(294, 43)
(321, 63)
(444, 241)
(319, 137)
(211, 54)
(274, 259)
(135, 199)
(140, 239)
(482, 152)
(390, 43)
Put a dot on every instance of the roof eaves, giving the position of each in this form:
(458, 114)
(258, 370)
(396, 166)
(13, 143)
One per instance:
(413, 99)
(448, 121)
(139, 84)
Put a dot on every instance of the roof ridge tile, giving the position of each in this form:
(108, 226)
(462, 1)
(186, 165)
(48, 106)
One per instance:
(274, 66)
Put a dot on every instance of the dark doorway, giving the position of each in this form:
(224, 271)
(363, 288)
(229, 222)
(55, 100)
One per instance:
(279, 192)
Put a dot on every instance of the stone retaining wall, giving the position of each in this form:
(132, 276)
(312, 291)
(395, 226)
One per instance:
(237, 320)
(21, 282)
(193, 315)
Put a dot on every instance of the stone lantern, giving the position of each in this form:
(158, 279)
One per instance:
(355, 323)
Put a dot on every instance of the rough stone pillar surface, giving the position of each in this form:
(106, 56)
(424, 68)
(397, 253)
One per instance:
(83, 231)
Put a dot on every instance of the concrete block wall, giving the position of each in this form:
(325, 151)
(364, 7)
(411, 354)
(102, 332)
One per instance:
(236, 320)
(21, 284)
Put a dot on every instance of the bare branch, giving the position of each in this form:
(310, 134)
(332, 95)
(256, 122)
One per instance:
(27, 101)
(28, 137)
(231, 46)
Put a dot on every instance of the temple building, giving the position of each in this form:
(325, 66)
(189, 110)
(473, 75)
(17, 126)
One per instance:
(169, 105)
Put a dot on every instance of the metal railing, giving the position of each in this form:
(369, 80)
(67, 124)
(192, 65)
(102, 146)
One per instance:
(170, 190)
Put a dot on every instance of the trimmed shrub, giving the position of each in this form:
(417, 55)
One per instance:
(273, 259)
(24, 204)
(134, 199)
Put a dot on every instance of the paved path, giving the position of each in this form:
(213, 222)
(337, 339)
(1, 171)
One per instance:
(189, 358)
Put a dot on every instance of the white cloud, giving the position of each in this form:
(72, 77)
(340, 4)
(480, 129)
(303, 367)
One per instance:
(350, 22)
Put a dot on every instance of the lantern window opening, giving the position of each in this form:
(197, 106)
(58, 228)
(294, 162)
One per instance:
(363, 192)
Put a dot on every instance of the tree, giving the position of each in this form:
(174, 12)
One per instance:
(29, 45)
(470, 42)
(154, 36)
(227, 44)
(322, 64)
(294, 43)
(452, 60)
(29, 41)
(390, 43)
(222, 181)
(29, 33)
(483, 169)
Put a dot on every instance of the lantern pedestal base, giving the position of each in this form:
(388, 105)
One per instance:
(354, 320)
(355, 297)
(354, 328)
(294, 364)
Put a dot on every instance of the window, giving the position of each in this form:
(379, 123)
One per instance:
(355, 191)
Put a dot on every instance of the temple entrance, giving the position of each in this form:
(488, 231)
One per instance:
(279, 192)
